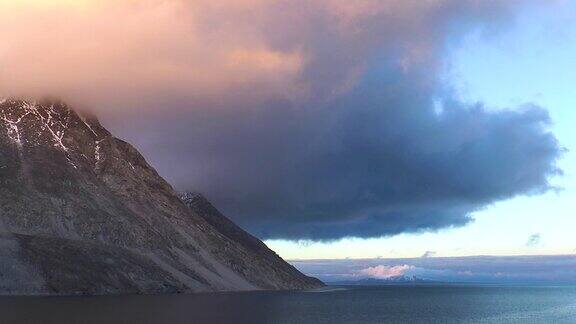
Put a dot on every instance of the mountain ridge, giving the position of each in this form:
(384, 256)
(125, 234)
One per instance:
(82, 212)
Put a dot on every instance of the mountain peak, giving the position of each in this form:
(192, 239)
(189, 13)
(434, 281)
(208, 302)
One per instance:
(47, 122)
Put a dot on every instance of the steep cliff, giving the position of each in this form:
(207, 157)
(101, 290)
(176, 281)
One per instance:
(82, 212)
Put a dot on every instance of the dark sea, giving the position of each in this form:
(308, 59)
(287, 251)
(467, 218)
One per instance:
(384, 304)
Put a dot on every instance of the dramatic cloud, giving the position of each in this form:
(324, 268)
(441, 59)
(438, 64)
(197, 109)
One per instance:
(482, 269)
(299, 119)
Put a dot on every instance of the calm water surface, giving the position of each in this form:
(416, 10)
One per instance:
(394, 304)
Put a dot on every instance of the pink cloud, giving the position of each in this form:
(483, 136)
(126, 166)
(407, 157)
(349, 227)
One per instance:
(385, 272)
(140, 53)
(132, 51)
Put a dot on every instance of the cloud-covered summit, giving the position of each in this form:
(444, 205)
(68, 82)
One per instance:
(300, 119)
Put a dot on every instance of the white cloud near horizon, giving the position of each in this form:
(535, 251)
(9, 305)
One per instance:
(384, 272)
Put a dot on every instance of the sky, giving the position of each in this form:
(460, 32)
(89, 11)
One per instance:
(520, 270)
(331, 129)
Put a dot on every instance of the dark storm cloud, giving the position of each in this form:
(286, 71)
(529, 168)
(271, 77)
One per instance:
(364, 168)
(364, 151)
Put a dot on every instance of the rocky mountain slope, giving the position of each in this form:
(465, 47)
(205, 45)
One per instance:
(82, 212)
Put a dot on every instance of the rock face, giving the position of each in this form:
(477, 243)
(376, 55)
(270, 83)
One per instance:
(81, 212)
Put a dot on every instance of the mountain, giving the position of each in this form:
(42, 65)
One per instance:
(396, 280)
(82, 212)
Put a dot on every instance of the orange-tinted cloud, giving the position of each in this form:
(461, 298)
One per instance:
(119, 51)
(124, 52)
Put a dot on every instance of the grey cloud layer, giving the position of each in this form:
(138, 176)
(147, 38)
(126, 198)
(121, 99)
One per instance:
(360, 168)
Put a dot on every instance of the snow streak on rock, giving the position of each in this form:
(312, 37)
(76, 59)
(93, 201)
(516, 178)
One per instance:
(12, 127)
(33, 124)
(44, 120)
